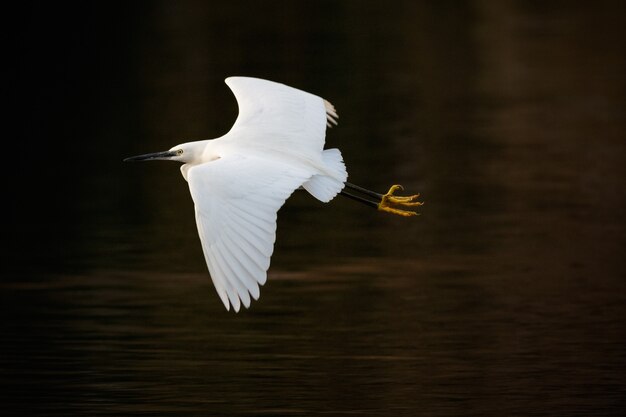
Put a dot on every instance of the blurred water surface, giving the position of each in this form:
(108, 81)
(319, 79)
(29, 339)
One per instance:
(506, 297)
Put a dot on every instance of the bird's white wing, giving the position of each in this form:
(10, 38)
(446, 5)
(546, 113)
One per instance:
(280, 116)
(236, 200)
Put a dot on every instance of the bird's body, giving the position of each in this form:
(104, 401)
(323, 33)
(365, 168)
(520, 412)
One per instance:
(239, 181)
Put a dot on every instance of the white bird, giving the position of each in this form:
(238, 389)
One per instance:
(239, 181)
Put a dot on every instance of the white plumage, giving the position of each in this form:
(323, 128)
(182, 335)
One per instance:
(239, 181)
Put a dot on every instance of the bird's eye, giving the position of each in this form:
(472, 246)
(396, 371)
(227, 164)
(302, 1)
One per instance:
(179, 152)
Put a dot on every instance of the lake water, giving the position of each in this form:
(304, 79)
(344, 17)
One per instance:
(506, 297)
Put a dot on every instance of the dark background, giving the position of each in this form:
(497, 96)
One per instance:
(505, 297)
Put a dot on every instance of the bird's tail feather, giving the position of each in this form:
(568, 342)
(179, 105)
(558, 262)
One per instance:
(326, 187)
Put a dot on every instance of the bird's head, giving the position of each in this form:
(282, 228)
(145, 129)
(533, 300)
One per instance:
(185, 153)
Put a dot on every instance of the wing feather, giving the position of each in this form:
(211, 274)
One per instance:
(222, 257)
(246, 251)
(236, 200)
(245, 259)
(264, 225)
(220, 282)
(238, 269)
(263, 239)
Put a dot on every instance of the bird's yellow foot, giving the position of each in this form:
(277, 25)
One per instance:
(404, 201)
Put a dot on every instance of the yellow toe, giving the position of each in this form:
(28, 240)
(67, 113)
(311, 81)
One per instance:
(399, 212)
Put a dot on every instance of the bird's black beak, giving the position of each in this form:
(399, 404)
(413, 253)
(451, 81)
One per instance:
(152, 156)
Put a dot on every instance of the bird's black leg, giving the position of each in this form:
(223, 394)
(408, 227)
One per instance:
(364, 191)
(385, 202)
(359, 199)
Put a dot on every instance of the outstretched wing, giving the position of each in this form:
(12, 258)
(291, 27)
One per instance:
(280, 116)
(236, 200)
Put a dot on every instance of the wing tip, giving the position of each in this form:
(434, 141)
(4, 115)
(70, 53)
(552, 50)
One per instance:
(331, 114)
(229, 81)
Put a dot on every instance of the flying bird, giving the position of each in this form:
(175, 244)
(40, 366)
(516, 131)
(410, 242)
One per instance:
(239, 181)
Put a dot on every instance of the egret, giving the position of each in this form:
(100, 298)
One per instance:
(239, 181)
